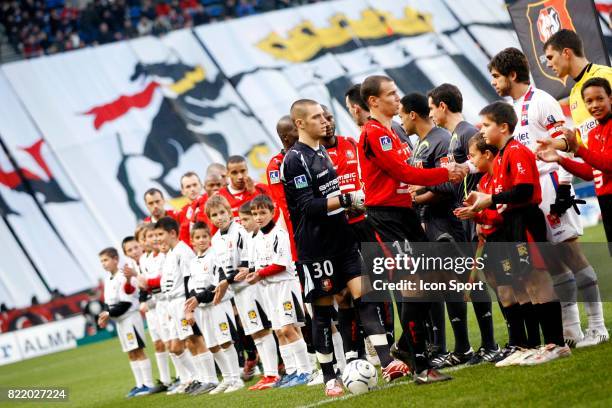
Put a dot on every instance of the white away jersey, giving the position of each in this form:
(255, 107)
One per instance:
(274, 248)
(205, 273)
(231, 250)
(539, 118)
(176, 267)
(114, 291)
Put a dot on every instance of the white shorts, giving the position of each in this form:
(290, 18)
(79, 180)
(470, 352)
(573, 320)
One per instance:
(163, 320)
(558, 229)
(251, 309)
(130, 330)
(153, 325)
(179, 327)
(284, 303)
(216, 323)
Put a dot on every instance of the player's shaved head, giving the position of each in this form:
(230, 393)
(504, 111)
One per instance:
(287, 132)
(217, 168)
(299, 108)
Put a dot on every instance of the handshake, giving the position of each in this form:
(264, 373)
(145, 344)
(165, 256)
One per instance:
(457, 172)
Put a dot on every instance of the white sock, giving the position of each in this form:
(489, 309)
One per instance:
(565, 287)
(313, 359)
(206, 368)
(232, 362)
(339, 350)
(178, 367)
(145, 370)
(286, 353)
(163, 367)
(266, 347)
(137, 373)
(300, 351)
(586, 281)
(189, 369)
(221, 361)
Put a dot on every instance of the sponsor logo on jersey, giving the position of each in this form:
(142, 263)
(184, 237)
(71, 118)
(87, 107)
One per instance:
(385, 143)
(300, 181)
(274, 176)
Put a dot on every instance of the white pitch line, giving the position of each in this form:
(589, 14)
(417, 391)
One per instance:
(384, 387)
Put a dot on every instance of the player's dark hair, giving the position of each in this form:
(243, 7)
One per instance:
(152, 191)
(354, 96)
(167, 224)
(127, 239)
(481, 144)
(449, 94)
(501, 112)
(262, 201)
(371, 86)
(511, 60)
(199, 225)
(235, 159)
(110, 252)
(417, 103)
(599, 82)
(565, 39)
(190, 174)
(217, 201)
(245, 208)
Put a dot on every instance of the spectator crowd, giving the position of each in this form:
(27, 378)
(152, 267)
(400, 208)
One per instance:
(39, 27)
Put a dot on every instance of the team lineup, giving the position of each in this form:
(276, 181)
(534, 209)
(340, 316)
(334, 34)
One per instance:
(275, 280)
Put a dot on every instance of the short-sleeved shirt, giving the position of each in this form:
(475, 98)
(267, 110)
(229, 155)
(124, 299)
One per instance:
(273, 248)
(309, 180)
(175, 269)
(231, 250)
(205, 272)
(515, 164)
(583, 121)
(114, 291)
(237, 199)
(539, 118)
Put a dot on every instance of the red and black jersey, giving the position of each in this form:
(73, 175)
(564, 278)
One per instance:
(488, 218)
(385, 171)
(516, 164)
(169, 213)
(236, 200)
(277, 192)
(346, 163)
(597, 158)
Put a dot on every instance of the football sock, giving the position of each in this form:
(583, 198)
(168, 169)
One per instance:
(532, 324)
(457, 314)
(266, 347)
(481, 302)
(551, 322)
(300, 353)
(567, 292)
(586, 281)
(322, 337)
(163, 366)
(137, 373)
(438, 326)
(147, 375)
(232, 359)
(375, 330)
(339, 350)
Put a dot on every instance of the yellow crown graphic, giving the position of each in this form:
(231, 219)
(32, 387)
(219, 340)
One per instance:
(305, 41)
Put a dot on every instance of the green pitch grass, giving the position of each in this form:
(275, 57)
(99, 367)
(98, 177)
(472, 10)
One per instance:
(98, 375)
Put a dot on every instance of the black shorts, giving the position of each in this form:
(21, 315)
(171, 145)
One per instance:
(605, 204)
(327, 277)
(395, 224)
(445, 229)
(363, 231)
(497, 259)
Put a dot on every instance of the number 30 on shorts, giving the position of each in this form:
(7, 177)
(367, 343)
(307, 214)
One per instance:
(326, 267)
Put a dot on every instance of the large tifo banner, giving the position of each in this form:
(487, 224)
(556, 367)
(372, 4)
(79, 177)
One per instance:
(85, 133)
(536, 21)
